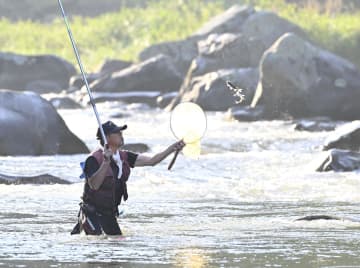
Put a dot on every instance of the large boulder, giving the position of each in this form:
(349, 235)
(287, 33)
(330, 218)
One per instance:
(230, 21)
(37, 179)
(181, 52)
(184, 51)
(268, 27)
(340, 160)
(31, 126)
(345, 137)
(77, 81)
(226, 51)
(302, 80)
(111, 66)
(210, 90)
(42, 74)
(106, 68)
(239, 50)
(236, 38)
(155, 74)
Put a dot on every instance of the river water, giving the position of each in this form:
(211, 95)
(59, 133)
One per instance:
(235, 206)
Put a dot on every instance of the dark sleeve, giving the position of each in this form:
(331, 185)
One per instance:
(131, 158)
(91, 166)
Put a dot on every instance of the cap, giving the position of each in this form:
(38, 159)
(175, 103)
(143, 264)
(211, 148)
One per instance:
(109, 127)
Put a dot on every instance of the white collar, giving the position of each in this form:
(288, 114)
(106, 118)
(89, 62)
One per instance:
(118, 161)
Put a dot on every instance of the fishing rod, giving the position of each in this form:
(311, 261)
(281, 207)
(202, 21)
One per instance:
(82, 72)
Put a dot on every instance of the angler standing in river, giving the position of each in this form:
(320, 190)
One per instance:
(107, 171)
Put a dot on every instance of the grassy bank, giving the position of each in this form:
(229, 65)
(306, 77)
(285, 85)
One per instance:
(125, 33)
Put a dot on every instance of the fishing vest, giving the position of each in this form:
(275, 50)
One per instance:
(108, 197)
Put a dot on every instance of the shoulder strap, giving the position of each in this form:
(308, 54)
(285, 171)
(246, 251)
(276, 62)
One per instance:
(123, 155)
(98, 154)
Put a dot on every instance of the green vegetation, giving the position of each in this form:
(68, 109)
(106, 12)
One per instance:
(125, 33)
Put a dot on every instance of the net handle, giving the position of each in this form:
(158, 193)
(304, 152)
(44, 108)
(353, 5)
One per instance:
(173, 160)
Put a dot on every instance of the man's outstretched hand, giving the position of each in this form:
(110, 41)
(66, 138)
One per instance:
(177, 146)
